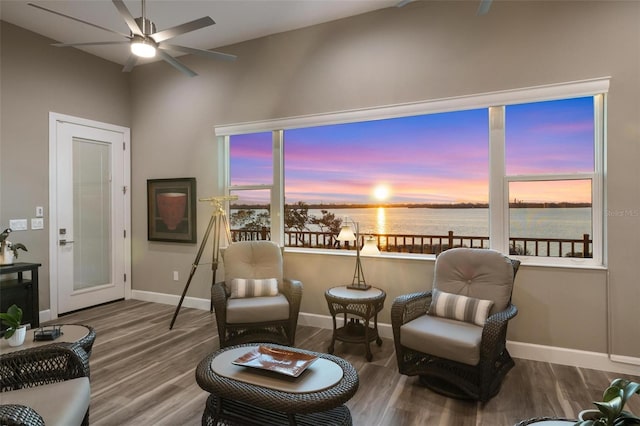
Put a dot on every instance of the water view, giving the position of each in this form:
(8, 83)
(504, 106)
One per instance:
(536, 231)
(566, 223)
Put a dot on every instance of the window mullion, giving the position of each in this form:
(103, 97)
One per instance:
(277, 193)
(550, 177)
(223, 170)
(598, 188)
(498, 198)
(250, 187)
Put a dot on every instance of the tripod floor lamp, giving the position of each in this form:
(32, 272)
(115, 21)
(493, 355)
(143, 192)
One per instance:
(218, 220)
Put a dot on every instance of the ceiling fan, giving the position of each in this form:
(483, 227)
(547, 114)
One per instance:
(483, 8)
(145, 41)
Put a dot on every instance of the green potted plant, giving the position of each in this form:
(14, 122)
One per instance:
(16, 331)
(610, 410)
(9, 250)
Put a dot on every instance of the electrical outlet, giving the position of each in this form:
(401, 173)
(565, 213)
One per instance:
(176, 276)
(18, 224)
(37, 223)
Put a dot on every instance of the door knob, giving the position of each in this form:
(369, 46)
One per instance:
(65, 242)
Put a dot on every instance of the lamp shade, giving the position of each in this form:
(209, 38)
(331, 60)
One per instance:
(370, 248)
(346, 234)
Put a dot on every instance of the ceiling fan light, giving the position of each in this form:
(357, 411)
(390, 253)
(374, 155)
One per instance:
(143, 48)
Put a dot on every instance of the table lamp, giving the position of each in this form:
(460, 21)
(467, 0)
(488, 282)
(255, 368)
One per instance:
(370, 247)
(346, 234)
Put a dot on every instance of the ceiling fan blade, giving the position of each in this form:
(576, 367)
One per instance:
(128, 18)
(200, 52)
(176, 64)
(163, 35)
(402, 3)
(131, 62)
(483, 9)
(95, 43)
(78, 20)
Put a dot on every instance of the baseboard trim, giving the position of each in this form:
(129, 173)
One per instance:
(315, 320)
(45, 315)
(171, 299)
(627, 360)
(325, 321)
(573, 357)
(556, 355)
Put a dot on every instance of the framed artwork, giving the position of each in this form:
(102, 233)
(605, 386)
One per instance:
(171, 210)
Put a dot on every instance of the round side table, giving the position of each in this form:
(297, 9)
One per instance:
(361, 305)
(81, 335)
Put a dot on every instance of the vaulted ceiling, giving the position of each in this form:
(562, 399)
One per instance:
(235, 20)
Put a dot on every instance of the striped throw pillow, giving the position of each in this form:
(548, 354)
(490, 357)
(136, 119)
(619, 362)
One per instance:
(253, 287)
(461, 308)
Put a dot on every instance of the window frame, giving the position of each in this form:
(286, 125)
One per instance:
(496, 103)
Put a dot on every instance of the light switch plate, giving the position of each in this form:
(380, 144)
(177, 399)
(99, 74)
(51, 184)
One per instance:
(18, 224)
(39, 211)
(37, 223)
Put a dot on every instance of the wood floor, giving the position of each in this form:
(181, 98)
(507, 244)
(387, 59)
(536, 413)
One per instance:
(142, 373)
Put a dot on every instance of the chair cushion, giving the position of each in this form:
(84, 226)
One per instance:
(461, 308)
(445, 338)
(479, 273)
(253, 287)
(61, 403)
(257, 309)
(252, 259)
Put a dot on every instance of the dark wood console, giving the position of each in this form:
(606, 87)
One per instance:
(21, 290)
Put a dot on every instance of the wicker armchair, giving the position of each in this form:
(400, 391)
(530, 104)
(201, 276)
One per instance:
(19, 415)
(31, 379)
(271, 319)
(454, 357)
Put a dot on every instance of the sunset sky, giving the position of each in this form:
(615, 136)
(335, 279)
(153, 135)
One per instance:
(437, 158)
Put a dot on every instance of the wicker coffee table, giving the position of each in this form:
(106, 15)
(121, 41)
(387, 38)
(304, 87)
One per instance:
(246, 396)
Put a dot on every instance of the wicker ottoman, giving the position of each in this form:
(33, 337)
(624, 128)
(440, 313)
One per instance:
(236, 400)
(236, 413)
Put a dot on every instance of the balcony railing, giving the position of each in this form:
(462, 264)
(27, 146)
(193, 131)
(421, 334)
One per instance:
(428, 244)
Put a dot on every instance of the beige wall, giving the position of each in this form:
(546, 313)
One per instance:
(426, 50)
(35, 79)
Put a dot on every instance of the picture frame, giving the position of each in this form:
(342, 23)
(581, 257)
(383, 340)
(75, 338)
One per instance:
(171, 210)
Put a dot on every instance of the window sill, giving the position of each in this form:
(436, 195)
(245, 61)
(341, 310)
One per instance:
(525, 260)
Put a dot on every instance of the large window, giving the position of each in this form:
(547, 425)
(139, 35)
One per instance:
(523, 177)
(404, 180)
(251, 180)
(550, 171)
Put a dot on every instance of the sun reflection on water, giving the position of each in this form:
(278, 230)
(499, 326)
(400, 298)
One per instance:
(381, 221)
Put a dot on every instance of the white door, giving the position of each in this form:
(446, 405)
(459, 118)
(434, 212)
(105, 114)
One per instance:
(89, 211)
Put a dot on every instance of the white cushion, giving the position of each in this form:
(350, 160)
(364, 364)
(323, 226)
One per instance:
(252, 259)
(480, 273)
(444, 338)
(253, 287)
(257, 309)
(59, 404)
(461, 308)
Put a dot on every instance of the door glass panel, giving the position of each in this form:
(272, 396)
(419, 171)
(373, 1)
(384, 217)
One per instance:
(91, 213)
